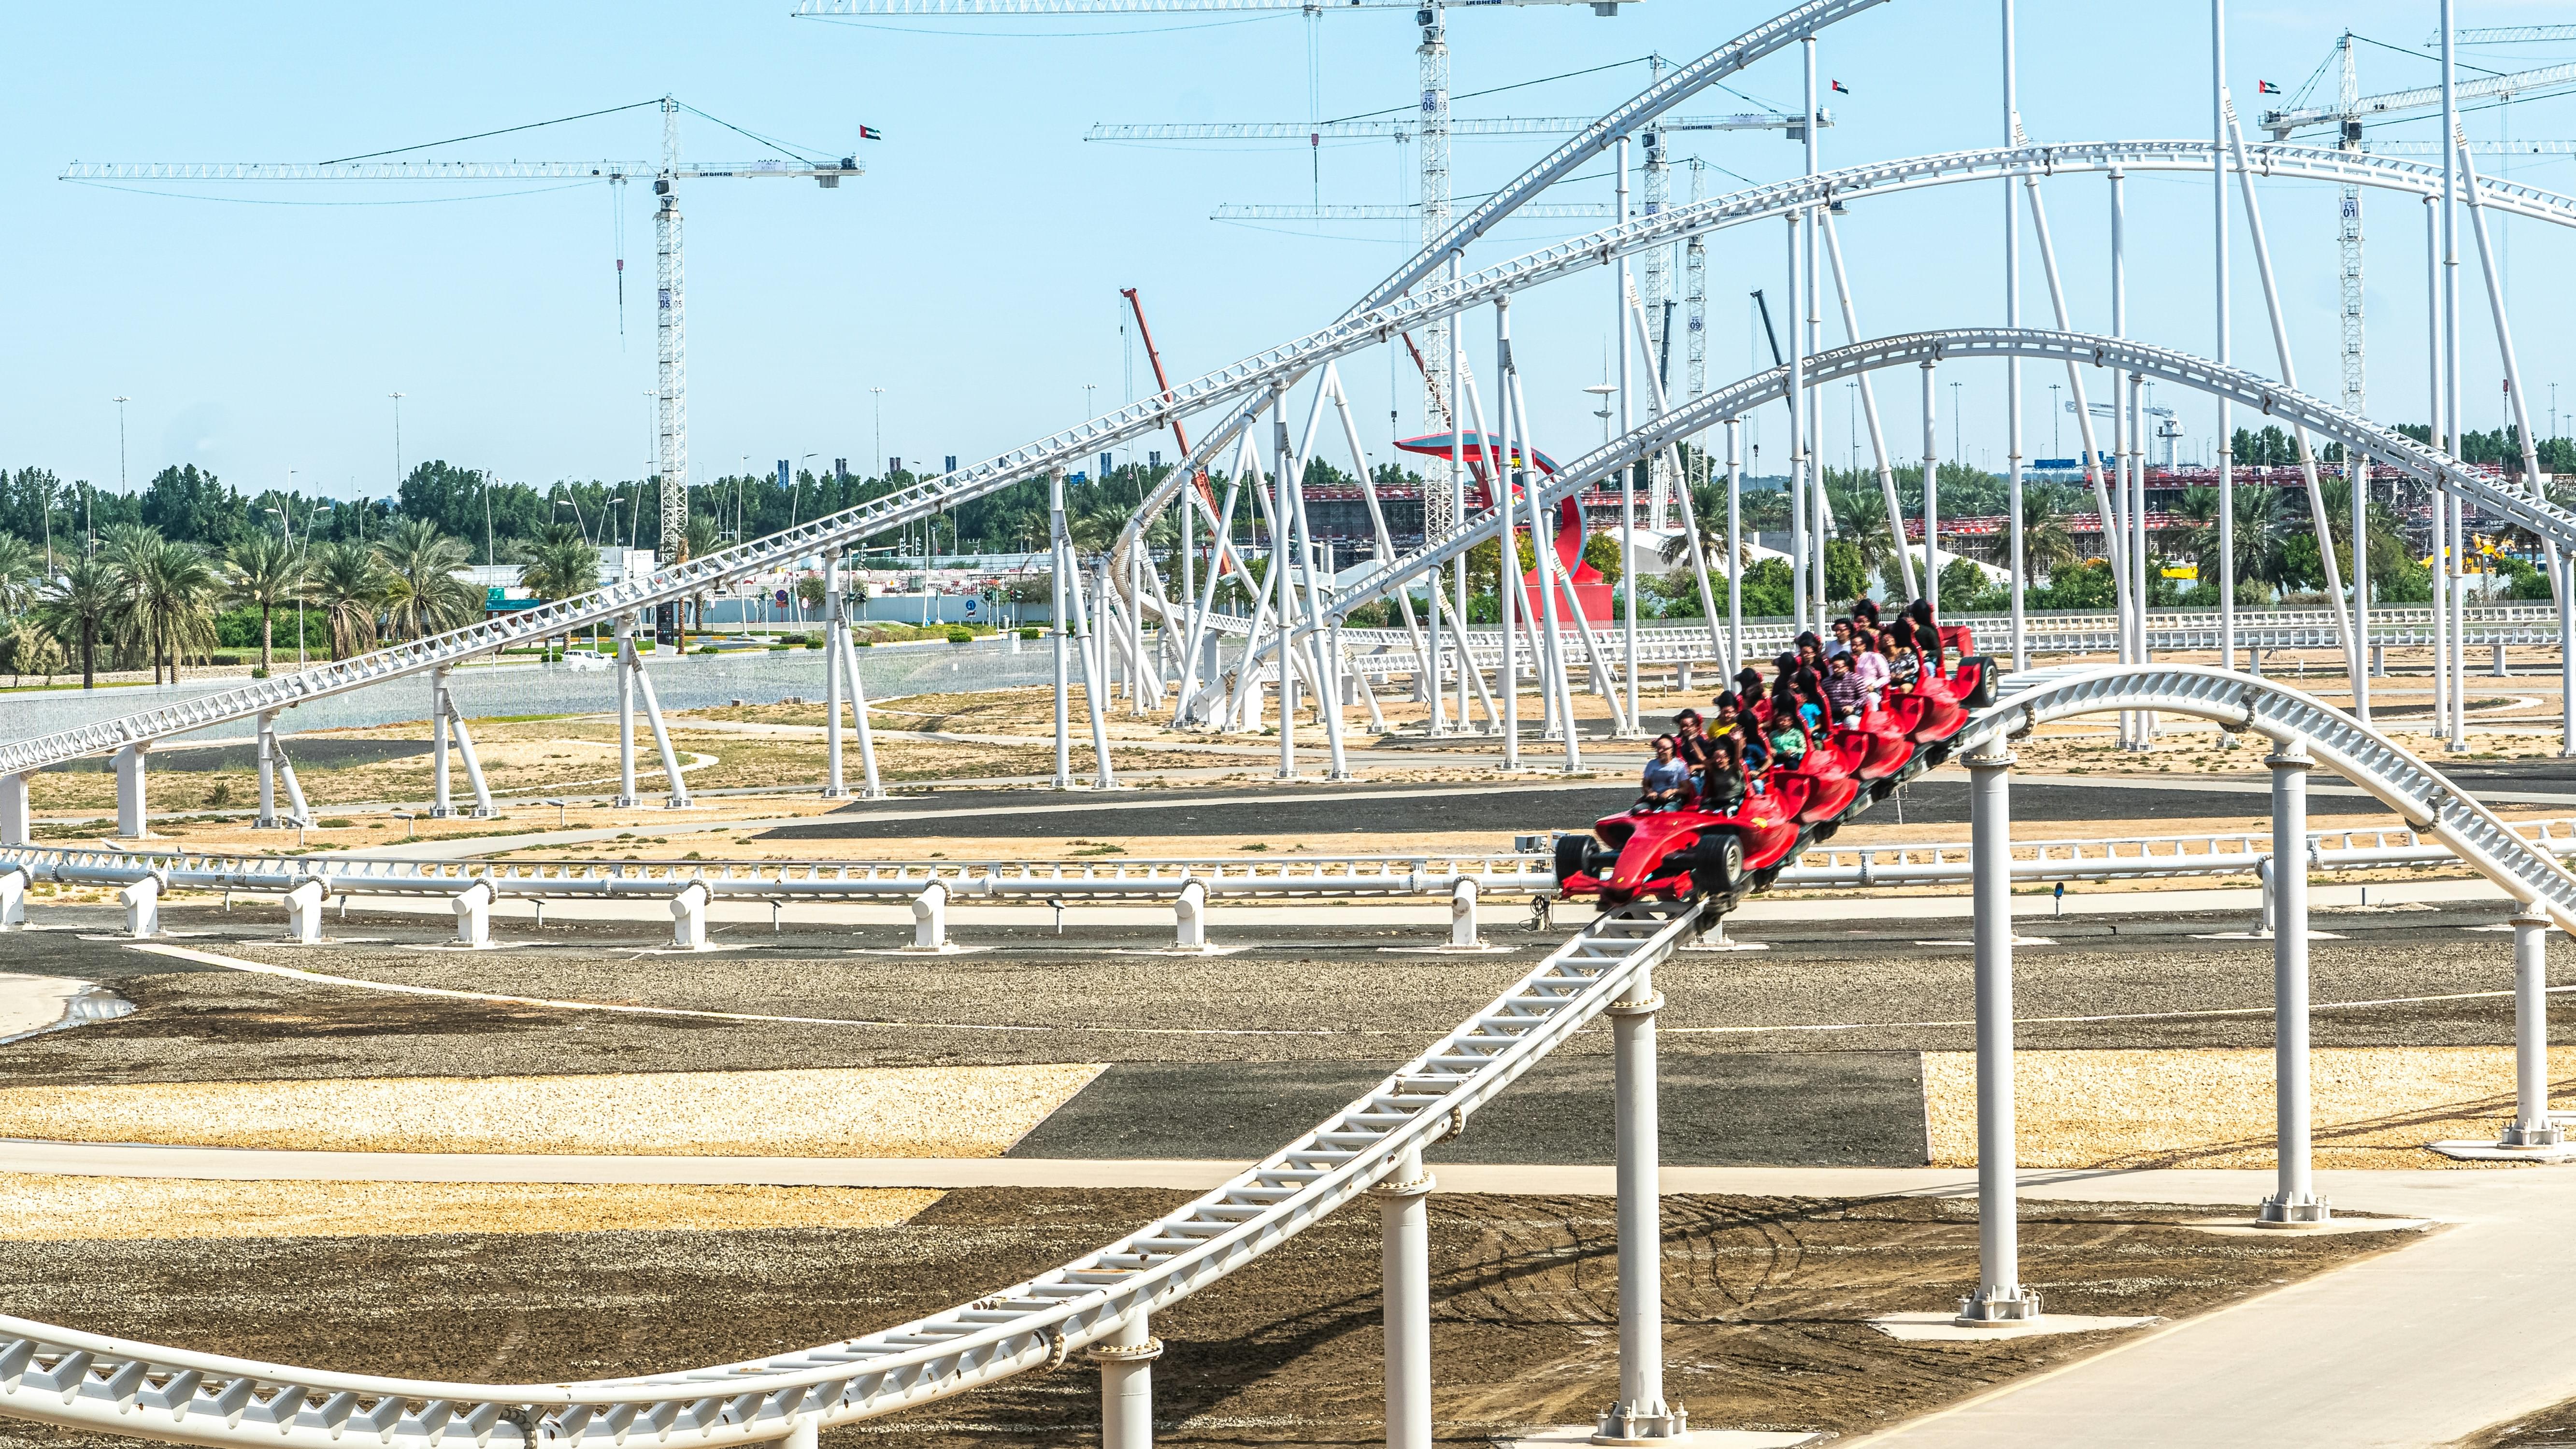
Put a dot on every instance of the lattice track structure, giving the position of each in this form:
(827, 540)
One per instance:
(54, 1375)
(1237, 394)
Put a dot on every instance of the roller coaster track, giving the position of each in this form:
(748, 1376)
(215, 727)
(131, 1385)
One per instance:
(1243, 387)
(56, 1375)
(2165, 364)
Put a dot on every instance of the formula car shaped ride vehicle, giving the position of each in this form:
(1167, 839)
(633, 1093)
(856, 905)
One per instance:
(1686, 852)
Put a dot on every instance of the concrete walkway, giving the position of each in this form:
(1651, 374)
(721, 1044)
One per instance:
(2418, 1347)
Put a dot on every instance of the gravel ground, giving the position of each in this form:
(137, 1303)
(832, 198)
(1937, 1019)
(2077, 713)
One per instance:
(2369, 1106)
(957, 1111)
(36, 1208)
(1763, 1306)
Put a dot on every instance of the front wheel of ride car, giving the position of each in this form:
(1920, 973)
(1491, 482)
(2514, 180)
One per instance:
(1571, 851)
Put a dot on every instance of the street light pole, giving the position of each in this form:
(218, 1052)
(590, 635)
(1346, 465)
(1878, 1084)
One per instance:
(122, 485)
(878, 399)
(398, 473)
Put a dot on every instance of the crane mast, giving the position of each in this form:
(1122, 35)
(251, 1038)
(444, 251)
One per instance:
(1656, 283)
(670, 351)
(1437, 504)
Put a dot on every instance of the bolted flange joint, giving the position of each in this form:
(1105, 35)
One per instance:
(1410, 1187)
(1145, 1352)
(1643, 1424)
(1633, 1006)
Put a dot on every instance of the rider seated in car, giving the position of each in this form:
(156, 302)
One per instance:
(1690, 739)
(1788, 732)
(1843, 690)
(1667, 780)
(1905, 662)
(1732, 722)
(1722, 783)
(1871, 667)
(1927, 633)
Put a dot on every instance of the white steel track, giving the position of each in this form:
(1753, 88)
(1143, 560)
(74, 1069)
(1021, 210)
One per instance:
(56, 1375)
(1241, 390)
(2164, 364)
(1818, 867)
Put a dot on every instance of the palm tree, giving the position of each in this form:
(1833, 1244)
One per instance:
(18, 574)
(165, 596)
(2261, 531)
(75, 607)
(422, 592)
(560, 564)
(1708, 511)
(700, 539)
(2197, 510)
(1860, 519)
(2046, 543)
(348, 581)
(264, 572)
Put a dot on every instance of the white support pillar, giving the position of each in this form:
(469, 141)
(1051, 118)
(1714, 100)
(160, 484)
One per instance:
(679, 785)
(296, 809)
(142, 902)
(16, 821)
(835, 634)
(473, 909)
(689, 917)
(129, 792)
(473, 765)
(440, 806)
(304, 912)
(1404, 1262)
(2000, 1297)
(13, 899)
(871, 786)
(2531, 1127)
(2294, 1201)
(1189, 916)
(930, 917)
(627, 663)
(1641, 1413)
(1126, 1358)
(267, 819)
(805, 1433)
(1462, 914)
(1059, 556)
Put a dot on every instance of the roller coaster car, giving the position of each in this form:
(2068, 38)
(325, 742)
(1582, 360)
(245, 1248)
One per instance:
(1687, 852)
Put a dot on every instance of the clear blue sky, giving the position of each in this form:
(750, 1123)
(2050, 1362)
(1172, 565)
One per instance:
(973, 274)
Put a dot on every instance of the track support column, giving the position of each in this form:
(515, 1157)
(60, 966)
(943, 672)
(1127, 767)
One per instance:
(129, 792)
(2294, 1202)
(2531, 1127)
(1126, 1360)
(1999, 1298)
(627, 664)
(1404, 1258)
(16, 823)
(440, 806)
(1641, 1415)
(267, 772)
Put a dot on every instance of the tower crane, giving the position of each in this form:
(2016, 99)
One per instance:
(670, 326)
(2346, 116)
(2507, 35)
(1432, 56)
(2167, 426)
